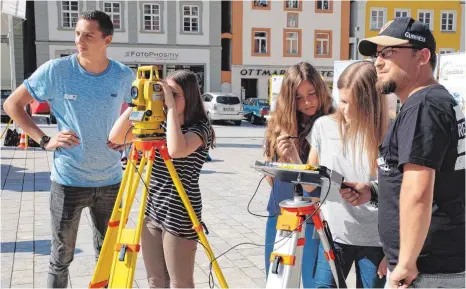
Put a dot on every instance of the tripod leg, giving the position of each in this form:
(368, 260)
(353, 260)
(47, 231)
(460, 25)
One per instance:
(192, 215)
(329, 253)
(103, 266)
(133, 188)
(339, 269)
(145, 193)
(6, 128)
(286, 258)
(127, 246)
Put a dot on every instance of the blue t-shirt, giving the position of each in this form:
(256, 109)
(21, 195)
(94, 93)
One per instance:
(88, 104)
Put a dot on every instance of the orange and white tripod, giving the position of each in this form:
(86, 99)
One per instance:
(286, 258)
(287, 255)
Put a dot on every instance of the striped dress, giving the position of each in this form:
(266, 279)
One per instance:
(164, 204)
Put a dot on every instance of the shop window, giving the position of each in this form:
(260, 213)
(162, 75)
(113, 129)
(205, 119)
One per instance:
(197, 69)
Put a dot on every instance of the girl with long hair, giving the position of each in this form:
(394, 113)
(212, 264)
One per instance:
(168, 240)
(304, 97)
(348, 142)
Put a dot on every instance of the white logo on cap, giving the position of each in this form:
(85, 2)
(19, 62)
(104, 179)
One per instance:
(415, 37)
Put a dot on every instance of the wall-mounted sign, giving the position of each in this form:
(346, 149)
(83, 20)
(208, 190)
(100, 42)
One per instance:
(271, 72)
(153, 55)
(146, 55)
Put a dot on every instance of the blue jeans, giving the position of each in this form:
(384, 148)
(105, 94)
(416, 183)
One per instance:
(367, 262)
(309, 255)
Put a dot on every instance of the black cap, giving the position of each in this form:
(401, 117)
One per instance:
(399, 31)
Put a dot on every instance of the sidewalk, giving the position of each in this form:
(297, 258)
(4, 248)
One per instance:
(227, 184)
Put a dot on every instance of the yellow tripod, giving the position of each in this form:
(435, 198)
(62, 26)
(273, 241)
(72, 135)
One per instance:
(118, 256)
(117, 260)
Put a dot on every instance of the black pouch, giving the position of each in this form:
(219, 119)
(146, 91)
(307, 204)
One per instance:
(11, 138)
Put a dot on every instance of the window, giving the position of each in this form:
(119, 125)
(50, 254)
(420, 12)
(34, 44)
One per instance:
(378, 16)
(426, 17)
(191, 18)
(69, 13)
(151, 15)
(261, 4)
(292, 20)
(323, 44)
(113, 9)
(294, 5)
(448, 22)
(207, 97)
(291, 43)
(402, 13)
(446, 50)
(226, 99)
(323, 5)
(260, 41)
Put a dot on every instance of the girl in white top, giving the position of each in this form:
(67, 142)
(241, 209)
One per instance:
(347, 142)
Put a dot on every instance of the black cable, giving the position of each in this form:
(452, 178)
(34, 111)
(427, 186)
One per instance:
(325, 174)
(273, 198)
(212, 257)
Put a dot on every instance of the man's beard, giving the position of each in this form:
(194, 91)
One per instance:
(386, 87)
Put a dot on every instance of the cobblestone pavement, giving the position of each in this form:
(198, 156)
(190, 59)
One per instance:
(227, 184)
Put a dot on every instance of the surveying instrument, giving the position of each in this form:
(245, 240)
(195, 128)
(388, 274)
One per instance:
(117, 260)
(286, 258)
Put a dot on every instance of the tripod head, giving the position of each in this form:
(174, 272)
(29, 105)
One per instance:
(148, 104)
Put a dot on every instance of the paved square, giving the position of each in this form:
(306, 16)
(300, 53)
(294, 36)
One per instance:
(227, 185)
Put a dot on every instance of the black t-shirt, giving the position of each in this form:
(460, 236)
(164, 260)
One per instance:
(429, 131)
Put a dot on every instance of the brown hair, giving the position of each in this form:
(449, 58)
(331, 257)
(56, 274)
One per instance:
(286, 118)
(371, 120)
(194, 108)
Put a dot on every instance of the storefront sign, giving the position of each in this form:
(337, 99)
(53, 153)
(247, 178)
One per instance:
(153, 55)
(271, 72)
(452, 76)
(261, 72)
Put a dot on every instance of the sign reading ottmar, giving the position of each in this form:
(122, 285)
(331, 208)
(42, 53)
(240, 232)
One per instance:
(153, 54)
(270, 72)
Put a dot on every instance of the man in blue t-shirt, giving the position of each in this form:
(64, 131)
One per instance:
(86, 91)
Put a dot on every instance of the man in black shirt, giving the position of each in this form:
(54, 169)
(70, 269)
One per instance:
(421, 164)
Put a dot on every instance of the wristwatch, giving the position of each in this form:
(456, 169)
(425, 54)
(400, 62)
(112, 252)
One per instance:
(43, 141)
(374, 187)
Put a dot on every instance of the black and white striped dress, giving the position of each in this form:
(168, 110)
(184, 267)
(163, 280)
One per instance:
(164, 204)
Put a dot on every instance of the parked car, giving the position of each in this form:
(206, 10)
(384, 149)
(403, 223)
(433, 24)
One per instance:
(255, 110)
(223, 106)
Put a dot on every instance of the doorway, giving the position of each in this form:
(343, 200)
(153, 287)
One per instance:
(249, 86)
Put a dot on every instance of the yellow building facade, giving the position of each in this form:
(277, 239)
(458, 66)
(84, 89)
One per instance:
(444, 18)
